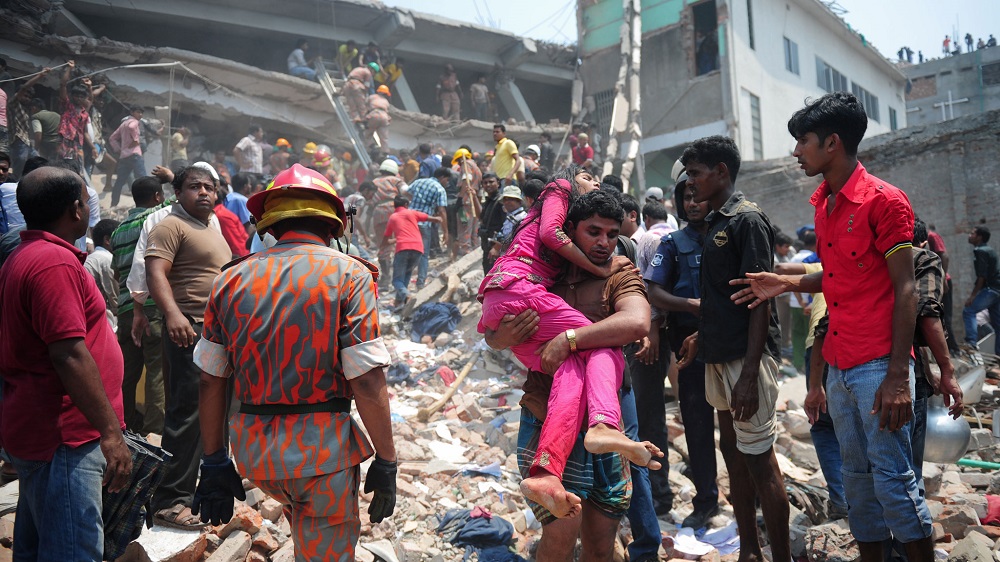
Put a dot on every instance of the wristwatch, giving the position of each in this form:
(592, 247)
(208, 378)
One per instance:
(571, 337)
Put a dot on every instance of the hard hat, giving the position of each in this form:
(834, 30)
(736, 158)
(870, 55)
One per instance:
(374, 67)
(459, 154)
(323, 148)
(533, 148)
(309, 148)
(383, 89)
(283, 142)
(582, 137)
(389, 166)
(297, 192)
(676, 170)
(346, 157)
(679, 188)
(321, 158)
(512, 192)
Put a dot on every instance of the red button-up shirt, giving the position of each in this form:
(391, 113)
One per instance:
(870, 221)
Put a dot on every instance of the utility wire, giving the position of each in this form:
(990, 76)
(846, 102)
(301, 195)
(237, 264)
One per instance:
(33, 74)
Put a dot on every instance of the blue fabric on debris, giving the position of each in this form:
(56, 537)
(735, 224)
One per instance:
(489, 537)
(433, 318)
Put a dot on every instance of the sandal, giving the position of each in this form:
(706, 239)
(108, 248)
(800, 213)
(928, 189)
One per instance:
(178, 517)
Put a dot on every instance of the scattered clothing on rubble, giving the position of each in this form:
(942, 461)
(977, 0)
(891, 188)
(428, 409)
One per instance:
(433, 318)
(478, 531)
(124, 511)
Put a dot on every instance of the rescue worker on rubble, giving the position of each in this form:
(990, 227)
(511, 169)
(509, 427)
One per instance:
(323, 163)
(298, 332)
(378, 119)
(356, 89)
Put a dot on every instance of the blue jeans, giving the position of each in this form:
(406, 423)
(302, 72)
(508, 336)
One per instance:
(59, 507)
(987, 299)
(828, 451)
(303, 72)
(427, 232)
(130, 165)
(402, 268)
(19, 154)
(641, 514)
(882, 493)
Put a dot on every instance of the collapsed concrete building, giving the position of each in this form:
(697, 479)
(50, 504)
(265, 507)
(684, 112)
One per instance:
(220, 65)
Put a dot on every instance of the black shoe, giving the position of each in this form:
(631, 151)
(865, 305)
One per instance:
(700, 517)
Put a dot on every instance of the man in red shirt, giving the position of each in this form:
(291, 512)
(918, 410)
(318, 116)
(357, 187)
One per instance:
(583, 153)
(409, 244)
(864, 230)
(232, 228)
(62, 374)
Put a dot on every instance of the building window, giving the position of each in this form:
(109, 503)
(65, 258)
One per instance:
(893, 124)
(868, 100)
(758, 136)
(604, 105)
(706, 37)
(829, 78)
(791, 56)
(750, 22)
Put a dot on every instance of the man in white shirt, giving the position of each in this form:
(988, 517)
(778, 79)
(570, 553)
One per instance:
(297, 64)
(98, 265)
(248, 153)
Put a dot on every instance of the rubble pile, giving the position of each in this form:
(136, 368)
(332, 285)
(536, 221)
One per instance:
(455, 409)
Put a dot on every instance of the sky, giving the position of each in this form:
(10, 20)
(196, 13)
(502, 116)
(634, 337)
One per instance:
(887, 24)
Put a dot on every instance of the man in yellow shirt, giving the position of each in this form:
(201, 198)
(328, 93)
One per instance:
(346, 55)
(505, 158)
(390, 73)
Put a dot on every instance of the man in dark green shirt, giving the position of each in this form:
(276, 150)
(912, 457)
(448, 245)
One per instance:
(986, 293)
(45, 129)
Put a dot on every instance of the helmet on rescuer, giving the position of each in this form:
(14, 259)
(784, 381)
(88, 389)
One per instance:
(294, 193)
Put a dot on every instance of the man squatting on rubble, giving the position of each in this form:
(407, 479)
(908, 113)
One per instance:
(617, 305)
(864, 229)
(298, 299)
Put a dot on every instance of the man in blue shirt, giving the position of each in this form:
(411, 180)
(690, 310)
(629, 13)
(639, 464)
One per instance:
(427, 195)
(427, 162)
(237, 200)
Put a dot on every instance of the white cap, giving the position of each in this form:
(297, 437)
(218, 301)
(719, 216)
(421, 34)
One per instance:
(207, 167)
(654, 193)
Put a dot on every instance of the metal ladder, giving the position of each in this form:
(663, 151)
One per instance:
(345, 119)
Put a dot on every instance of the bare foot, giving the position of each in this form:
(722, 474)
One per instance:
(548, 491)
(603, 439)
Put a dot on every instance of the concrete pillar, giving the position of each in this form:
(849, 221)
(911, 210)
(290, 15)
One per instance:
(511, 98)
(405, 94)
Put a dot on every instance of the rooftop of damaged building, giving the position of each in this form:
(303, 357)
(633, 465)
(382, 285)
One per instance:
(233, 61)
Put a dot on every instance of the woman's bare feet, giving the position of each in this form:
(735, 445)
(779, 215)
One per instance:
(603, 439)
(547, 491)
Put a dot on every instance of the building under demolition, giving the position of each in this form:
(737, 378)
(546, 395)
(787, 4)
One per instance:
(220, 65)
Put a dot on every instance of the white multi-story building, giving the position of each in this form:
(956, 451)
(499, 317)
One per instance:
(733, 67)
